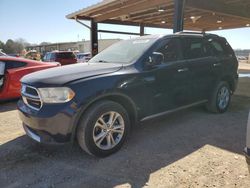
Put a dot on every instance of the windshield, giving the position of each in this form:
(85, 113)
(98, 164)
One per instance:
(124, 52)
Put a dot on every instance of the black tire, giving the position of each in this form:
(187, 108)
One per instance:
(86, 127)
(213, 102)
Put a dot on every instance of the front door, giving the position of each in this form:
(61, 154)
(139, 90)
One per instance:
(168, 80)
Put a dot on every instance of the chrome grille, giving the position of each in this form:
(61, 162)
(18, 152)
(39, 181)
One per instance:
(31, 97)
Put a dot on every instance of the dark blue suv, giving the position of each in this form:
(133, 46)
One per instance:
(134, 80)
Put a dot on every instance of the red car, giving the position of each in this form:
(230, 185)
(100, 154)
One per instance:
(63, 57)
(12, 69)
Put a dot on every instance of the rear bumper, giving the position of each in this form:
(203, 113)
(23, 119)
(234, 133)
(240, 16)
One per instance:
(247, 156)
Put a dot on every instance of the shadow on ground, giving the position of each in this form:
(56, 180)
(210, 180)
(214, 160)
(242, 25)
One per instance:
(152, 146)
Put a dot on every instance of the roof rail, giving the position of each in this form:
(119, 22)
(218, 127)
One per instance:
(191, 32)
(199, 33)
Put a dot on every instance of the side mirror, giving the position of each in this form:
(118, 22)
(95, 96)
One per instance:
(155, 59)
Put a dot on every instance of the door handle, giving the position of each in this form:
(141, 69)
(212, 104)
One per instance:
(183, 70)
(217, 64)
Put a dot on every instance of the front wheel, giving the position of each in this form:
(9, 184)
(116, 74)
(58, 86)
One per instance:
(220, 98)
(103, 128)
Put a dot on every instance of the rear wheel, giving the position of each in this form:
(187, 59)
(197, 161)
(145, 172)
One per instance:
(220, 98)
(103, 128)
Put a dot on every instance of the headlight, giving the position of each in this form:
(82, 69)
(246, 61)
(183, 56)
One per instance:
(56, 95)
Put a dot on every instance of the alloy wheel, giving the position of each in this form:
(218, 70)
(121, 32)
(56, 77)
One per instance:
(108, 130)
(223, 97)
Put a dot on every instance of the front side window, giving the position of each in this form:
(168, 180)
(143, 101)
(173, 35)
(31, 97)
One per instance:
(47, 57)
(194, 48)
(124, 52)
(170, 49)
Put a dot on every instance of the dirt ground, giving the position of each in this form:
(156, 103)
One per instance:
(244, 67)
(191, 148)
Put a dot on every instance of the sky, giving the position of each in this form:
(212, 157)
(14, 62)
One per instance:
(39, 21)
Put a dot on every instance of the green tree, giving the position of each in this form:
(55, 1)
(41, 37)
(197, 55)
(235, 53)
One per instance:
(9, 47)
(1, 45)
(13, 47)
(22, 41)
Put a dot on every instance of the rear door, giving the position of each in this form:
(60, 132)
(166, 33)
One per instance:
(201, 66)
(226, 62)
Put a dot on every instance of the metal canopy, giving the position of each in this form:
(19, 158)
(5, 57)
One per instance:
(201, 15)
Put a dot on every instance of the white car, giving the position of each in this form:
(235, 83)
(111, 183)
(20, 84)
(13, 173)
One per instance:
(247, 149)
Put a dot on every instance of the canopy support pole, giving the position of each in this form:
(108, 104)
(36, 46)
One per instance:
(179, 8)
(94, 38)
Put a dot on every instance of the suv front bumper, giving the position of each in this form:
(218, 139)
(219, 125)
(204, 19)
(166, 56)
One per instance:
(45, 127)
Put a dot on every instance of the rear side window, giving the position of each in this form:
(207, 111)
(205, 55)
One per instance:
(65, 55)
(14, 64)
(194, 48)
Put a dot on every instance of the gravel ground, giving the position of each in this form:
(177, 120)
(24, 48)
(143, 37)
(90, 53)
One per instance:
(191, 148)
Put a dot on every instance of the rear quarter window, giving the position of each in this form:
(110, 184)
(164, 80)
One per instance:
(14, 64)
(228, 49)
(220, 47)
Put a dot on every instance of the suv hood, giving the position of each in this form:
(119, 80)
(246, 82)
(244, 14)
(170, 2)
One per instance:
(69, 73)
